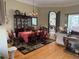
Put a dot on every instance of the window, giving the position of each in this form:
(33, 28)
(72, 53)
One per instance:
(52, 18)
(51, 22)
(34, 21)
(73, 22)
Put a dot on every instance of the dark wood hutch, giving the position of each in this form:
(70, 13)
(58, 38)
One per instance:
(21, 22)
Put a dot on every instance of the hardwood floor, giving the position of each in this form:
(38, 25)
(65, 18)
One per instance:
(50, 51)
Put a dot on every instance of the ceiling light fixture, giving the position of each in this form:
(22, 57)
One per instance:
(34, 13)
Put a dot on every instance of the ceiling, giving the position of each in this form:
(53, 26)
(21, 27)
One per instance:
(51, 3)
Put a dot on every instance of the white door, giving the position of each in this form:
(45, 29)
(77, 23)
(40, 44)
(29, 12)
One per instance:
(52, 24)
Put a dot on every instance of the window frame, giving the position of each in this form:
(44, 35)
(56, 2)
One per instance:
(49, 19)
(36, 21)
(68, 18)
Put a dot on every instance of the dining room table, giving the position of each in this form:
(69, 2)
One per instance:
(25, 35)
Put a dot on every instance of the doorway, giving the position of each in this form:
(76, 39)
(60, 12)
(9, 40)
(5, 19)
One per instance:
(51, 24)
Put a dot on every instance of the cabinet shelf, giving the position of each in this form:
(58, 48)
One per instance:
(21, 21)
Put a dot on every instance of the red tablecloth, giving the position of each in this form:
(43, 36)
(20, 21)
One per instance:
(25, 35)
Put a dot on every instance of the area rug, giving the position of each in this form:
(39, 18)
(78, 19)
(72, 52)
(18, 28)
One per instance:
(27, 48)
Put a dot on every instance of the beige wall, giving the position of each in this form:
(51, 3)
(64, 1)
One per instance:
(11, 6)
(68, 10)
(43, 12)
(63, 18)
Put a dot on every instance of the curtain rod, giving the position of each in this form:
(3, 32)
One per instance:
(72, 13)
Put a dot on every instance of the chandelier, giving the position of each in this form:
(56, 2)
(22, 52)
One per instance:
(34, 13)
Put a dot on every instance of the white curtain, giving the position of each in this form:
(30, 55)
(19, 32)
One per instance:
(3, 42)
(3, 33)
(2, 11)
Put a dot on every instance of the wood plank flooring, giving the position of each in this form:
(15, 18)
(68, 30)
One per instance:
(50, 51)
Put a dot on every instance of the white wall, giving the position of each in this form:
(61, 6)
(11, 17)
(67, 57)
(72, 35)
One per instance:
(63, 18)
(68, 10)
(43, 12)
(11, 6)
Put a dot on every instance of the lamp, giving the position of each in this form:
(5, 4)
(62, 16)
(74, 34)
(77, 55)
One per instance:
(34, 13)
